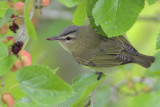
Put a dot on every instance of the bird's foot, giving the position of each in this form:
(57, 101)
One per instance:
(99, 75)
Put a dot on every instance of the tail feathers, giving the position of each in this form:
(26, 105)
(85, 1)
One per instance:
(145, 61)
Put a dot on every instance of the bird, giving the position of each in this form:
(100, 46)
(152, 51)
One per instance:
(96, 51)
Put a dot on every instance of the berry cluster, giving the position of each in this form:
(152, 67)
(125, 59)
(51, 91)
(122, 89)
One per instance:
(14, 27)
(17, 47)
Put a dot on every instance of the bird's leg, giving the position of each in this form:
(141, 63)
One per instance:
(99, 75)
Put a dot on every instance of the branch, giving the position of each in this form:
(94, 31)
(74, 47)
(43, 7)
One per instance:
(147, 18)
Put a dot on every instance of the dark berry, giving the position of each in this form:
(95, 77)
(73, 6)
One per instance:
(14, 27)
(13, 16)
(17, 47)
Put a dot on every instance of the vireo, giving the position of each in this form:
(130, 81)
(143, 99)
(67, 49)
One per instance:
(91, 49)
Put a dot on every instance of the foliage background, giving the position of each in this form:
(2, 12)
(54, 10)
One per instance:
(143, 36)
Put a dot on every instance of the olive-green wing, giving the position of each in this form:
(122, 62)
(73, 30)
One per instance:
(127, 46)
(105, 55)
(110, 52)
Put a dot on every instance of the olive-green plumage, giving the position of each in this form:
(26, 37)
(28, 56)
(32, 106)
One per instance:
(91, 49)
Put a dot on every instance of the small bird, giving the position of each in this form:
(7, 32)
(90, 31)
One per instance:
(96, 51)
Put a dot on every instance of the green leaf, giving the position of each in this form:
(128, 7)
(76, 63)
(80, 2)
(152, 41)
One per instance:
(42, 86)
(83, 85)
(10, 43)
(7, 16)
(146, 100)
(6, 63)
(28, 23)
(20, 104)
(86, 92)
(117, 16)
(69, 3)
(150, 2)
(90, 6)
(3, 50)
(157, 85)
(80, 14)
(158, 42)
(3, 8)
(102, 96)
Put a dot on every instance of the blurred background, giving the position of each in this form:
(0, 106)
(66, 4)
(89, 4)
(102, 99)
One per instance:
(125, 84)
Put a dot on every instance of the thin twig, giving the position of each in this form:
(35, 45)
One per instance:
(147, 18)
(92, 98)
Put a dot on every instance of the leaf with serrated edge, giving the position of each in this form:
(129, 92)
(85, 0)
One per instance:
(42, 86)
(87, 91)
(117, 16)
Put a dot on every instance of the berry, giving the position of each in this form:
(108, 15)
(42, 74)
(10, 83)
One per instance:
(13, 16)
(45, 2)
(8, 39)
(19, 7)
(25, 53)
(19, 63)
(8, 99)
(14, 27)
(4, 29)
(17, 47)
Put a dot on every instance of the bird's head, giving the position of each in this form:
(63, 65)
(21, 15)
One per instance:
(67, 37)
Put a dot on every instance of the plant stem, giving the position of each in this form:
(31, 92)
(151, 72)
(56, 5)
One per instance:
(92, 98)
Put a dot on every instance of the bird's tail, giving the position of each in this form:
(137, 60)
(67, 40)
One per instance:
(144, 60)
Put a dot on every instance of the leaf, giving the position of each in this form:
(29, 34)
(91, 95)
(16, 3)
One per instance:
(6, 63)
(69, 3)
(3, 50)
(146, 100)
(102, 96)
(80, 85)
(116, 16)
(86, 92)
(157, 85)
(3, 8)
(28, 23)
(20, 104)
(90, 6)
(150, 2)
(10, 43)
(42, 86)
(158, 42)
(80, 14)
(7, 16)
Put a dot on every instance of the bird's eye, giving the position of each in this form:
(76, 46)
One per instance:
(68, 38)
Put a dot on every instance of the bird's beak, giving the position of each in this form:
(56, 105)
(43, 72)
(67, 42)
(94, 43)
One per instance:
(54, 38)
